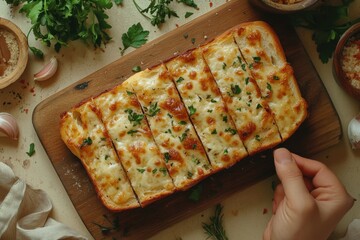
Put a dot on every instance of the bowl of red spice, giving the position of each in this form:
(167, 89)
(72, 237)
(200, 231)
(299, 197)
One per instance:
(13, 52)
(285, 6)
(346, 61)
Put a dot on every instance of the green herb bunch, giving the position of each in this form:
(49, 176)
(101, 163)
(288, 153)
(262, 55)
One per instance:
(59, 22)
(160, 9)
(329, 22)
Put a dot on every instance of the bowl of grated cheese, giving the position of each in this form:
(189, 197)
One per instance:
(346, 61)
(13, 53)
(284, 6)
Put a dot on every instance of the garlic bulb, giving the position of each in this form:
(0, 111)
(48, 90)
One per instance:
(354, 132)
(8, 126)
(47, 71)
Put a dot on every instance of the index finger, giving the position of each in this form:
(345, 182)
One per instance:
(321, 175)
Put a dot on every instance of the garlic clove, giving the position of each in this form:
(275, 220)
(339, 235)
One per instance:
(8, 126)
(354, 132)
(47, 71)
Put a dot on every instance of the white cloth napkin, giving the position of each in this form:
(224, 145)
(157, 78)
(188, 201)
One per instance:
(353, 231)
(24, 211)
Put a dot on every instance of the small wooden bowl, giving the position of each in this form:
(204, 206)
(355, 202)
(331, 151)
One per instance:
(23, 53)
(273, 7)
(352, 33)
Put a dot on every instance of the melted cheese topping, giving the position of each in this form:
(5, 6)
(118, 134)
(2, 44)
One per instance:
(172, 129)
(213, 124)
(274, 77)
(85, 135)
(140, 156)
(251, 114)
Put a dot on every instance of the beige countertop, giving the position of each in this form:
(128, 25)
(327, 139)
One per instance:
(244, 215)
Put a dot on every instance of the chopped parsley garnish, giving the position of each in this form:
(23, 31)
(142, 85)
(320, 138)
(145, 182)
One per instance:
(189, 175)
(257, 138)
(251, 66)
(223, 66)
(196, 161)
(257, 59)
(134, 117)
(182, 122)
(168, 131)
(136, 69)
(210, 110)
(243, 66)
(247, 80)
(268, 86)
(184, 135)
(192, 110)
(214, 131)
(276, 77)
(239, 58)
(213, 101)
(167, 157)
(170, 116)
(107, 157)
(131, 132)
(226, 151)
(239, 109)
(186, 35)
(258, 106)
(225, 118)
(235, 89)
(163, 170)
(141, 170)
(180, 79)
(188, 14)
(32, 149)
(193, 40)
(86, 142)
(231, 130)
(194, 146)
(153, 110)
(154, 170)
(129, 93)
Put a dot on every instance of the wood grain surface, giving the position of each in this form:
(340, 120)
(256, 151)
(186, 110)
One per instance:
(321, 130)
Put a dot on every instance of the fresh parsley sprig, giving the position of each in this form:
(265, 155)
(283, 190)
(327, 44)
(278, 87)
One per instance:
(59, 22)
(215, 229)
(329, 22)
(158, 10)
(135, 37)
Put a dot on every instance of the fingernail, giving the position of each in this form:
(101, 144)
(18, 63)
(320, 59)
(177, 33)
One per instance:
(282, 156)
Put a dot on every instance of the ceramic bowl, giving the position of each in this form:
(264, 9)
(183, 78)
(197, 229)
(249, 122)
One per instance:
(342, 49)
(19, 68)
(281, 8)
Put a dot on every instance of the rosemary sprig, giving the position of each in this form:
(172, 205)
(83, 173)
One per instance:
(215, 229)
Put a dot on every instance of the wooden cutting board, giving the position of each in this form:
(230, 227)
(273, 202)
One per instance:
(321, 130)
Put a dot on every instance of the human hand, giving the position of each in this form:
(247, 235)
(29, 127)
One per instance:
(309, 201)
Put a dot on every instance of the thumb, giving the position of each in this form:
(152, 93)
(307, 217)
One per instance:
(290, 175)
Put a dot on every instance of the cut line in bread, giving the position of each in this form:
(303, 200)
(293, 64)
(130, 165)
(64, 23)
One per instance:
(86, 137)
(211, 120)
(250, 112)
(169, 122)
(134, 143)
(262, 50)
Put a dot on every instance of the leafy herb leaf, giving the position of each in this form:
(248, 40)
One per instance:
(329, 22)
(59, 22)
(153, 110)
(31, 150)
(134, 117)
(135, 37)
